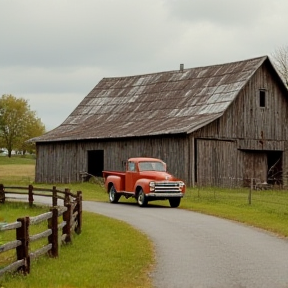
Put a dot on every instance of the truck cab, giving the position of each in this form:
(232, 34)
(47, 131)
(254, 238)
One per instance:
(145, 179)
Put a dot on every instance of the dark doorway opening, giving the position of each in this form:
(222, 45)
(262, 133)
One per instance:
(96, 162)
(274, 161)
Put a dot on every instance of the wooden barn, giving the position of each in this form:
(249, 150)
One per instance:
(219, 125)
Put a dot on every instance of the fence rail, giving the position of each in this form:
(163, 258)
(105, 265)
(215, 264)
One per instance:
(31, 191)
(71, 222)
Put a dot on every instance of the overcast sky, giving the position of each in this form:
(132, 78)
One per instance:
(53, 52)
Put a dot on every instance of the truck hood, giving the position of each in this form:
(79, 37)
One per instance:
(158, 176)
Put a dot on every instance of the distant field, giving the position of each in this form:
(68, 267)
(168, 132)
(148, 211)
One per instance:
(17, 169)
(18, 160)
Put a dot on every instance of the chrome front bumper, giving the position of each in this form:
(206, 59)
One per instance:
(164, 195)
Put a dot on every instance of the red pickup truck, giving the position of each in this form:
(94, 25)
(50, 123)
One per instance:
(145, 179)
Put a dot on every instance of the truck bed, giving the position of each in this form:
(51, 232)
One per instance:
(117, 174)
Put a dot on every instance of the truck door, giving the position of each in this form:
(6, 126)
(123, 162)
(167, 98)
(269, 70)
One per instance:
(130, 176)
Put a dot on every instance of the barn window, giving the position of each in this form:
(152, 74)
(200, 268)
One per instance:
(262, 98)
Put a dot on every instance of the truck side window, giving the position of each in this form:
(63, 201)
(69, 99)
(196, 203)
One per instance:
(131, 166)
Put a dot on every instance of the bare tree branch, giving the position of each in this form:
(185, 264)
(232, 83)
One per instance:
(280, 59)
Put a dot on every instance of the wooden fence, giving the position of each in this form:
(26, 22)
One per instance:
(71, 213)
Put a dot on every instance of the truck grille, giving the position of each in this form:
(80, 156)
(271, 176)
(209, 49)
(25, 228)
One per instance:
(164, 187)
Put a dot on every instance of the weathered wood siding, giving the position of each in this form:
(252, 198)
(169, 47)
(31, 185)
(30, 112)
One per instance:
(217, 165)
(62, 162)
(255, 167)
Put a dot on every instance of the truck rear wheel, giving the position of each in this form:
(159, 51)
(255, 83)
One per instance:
(141, 199)
(113, 196)
(174, 202)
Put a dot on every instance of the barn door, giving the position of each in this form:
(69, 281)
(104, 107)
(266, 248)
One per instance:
(255, 166)
(215, 163)
(96, 162)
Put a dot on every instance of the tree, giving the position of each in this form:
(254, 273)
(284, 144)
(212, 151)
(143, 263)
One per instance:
(280, 59)
(18, 124)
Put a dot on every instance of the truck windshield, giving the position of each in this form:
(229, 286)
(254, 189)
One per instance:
(152, 166)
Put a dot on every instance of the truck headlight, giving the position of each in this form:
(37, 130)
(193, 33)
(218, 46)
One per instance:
(152, 186)
(181, 185)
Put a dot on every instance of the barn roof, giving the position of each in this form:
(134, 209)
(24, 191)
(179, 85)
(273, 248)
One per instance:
(173, 102)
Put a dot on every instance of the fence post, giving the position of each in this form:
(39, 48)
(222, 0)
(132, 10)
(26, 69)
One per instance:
(22, 234)
(67, 218)
(79, 210)
(30, 197)
(54, 197)
(67, 196)
(250, 192)
(53, 238)
(2, 194)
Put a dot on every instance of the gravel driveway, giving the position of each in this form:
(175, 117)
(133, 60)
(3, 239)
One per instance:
(196, 250)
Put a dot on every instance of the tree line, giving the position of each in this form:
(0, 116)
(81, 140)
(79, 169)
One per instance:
(18, 123)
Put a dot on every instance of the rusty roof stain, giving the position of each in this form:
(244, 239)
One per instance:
(173, 102)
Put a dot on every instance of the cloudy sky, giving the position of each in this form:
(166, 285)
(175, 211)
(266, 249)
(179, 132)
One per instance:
(53, 52)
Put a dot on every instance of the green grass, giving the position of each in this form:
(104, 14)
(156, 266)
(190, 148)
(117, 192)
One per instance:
(18, 160)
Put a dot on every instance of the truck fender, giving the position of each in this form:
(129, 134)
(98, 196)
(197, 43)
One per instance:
(113, 180)
(144, 184)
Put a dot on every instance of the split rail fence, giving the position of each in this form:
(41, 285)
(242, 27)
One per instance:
(71, 212)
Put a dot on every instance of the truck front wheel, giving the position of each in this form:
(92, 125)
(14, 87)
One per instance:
(174, 202)
(113, 195)
(141, 199)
